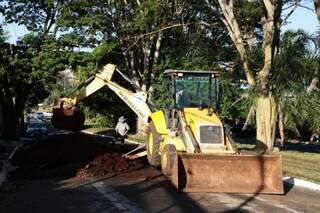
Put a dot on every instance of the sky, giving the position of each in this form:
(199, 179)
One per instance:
(302, 18)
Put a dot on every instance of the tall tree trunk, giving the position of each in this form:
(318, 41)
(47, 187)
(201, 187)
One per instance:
(151, 56)
(265, 118)
(10, 120)
(262, 121)
(265, 112)
(233, 28)
(281, 126)
(1, 122)
(9, 117)
(142, 127)
(314, 82)
(317, 7)
(266, 107)
(251, 113)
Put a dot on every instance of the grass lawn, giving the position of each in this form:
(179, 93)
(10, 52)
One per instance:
(304, 165)
(111, 132)
(299, 160)
(138, 138)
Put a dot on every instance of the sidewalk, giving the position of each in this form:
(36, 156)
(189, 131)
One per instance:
(7, 151)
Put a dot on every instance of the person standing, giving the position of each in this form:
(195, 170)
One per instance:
(122, 128)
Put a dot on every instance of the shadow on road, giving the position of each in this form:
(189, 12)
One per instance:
(156, 194)
(46, 179)
(300, 147)
(46, 183)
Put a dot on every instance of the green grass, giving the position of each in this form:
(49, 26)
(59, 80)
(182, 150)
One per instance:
(111, 132)
(302, 165)
(299, 160)
(138, 138)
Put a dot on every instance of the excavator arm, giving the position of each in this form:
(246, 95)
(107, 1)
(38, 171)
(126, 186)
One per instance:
(65, 115)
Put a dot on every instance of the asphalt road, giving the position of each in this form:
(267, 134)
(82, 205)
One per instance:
(150, 191)
(143, 190)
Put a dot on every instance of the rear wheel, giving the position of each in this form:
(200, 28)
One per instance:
(153, 145)
(167, 159)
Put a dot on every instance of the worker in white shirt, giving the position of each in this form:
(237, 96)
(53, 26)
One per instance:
(122, 128)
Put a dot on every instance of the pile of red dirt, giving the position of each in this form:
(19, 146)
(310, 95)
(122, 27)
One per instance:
(105, 164)
(74, 154)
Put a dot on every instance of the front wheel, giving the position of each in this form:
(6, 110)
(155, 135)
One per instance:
(167, 159)
(153, 145)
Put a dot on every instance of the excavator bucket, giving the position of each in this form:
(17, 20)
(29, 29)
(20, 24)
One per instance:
(228, 173)
(67, 119)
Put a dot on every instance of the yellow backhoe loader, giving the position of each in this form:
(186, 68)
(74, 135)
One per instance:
(187, 139)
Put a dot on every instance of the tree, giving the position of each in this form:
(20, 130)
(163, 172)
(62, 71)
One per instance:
(26, 78)
(37, 16)
(317, 8)
(137, 30)
(295, 81)
(242, 34)
(30, 68)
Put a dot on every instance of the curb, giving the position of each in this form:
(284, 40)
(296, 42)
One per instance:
(133, 142)
(110, 137)
(302, 183)
(98, 135)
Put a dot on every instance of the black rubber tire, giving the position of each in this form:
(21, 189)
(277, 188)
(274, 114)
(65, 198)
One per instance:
(167, 159)
(154, 148)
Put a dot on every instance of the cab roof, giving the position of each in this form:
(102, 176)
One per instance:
(176, 72)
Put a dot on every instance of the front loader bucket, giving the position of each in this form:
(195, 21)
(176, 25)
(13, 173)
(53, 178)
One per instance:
(228, 173)
(67, 119)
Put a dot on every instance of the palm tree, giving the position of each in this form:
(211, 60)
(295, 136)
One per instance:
(317, 7)
(295, 83)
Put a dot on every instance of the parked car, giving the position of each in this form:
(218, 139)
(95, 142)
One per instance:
(47, 116)
(39, 115)
(35, 129)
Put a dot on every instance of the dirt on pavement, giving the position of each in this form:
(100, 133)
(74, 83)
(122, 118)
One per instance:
(73, 155)
(54, 175)
(74, 173)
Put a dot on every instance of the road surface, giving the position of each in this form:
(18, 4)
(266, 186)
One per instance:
(52, 186)
(143, 190)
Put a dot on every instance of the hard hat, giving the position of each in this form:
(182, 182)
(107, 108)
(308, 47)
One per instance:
(122, 119)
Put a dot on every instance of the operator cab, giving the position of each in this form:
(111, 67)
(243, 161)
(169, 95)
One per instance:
(194, 89)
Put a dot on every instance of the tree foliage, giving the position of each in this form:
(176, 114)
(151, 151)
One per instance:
(36, 16)
(296, 67)
(236, 37)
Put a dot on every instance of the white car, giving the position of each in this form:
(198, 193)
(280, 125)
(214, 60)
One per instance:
(48, 114)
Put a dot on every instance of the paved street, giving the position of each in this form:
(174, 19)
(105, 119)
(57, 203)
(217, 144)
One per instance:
(143, 190)
(53, 186)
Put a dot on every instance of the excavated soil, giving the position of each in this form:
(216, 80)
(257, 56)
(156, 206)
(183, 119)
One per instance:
(73, 155)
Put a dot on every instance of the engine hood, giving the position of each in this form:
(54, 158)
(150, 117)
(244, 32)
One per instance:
(207, 129)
